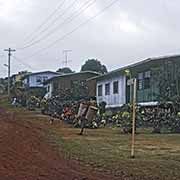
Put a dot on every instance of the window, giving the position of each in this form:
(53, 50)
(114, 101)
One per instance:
(140, 81)
(115, 87)
(45, 78)
(107, 89)
(38, 79)
(147, 76)
(48, 88)
(100, 90)
(144, 80)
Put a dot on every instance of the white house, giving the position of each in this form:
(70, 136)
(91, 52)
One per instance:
(37, 79)
(111, 88)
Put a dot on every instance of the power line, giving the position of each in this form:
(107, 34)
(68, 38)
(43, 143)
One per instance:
(53, 22)
(75, 29)
(59, 5)
(66, 21)
(25, 64)
(86, 5)
(2, 55)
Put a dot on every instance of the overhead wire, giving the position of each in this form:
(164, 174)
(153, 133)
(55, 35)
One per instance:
(59, 6)
(83, 8)
(25, 64)
(50, 24)
(74, 30)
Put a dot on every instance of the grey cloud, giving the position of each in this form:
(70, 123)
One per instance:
(127, 32)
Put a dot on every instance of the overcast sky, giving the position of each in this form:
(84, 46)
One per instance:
(127, 32)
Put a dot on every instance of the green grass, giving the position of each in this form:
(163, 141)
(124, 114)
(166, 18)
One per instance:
(156, 155)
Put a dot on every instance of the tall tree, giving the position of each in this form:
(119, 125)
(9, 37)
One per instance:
(65, 70)
(94, 65)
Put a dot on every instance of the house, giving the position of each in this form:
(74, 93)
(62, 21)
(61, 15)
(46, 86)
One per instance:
(3, 85)
(91, 84)
(36, 80)
(73, 85)
(17, 78)
(113, 89)
(2, 89)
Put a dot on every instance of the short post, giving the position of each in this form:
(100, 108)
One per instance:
(133, 119)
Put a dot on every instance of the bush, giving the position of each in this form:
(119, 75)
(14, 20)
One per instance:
(161, 117)
(33, 103)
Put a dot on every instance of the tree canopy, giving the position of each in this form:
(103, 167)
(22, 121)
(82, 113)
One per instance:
(24, 72)
(65, 70)
(94, 65)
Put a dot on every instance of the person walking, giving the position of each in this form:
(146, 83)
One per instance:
(83, 116)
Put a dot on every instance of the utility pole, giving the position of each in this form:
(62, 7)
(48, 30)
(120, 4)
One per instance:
(9, 67)
(65, 52)
(134, 118)
(130, 82)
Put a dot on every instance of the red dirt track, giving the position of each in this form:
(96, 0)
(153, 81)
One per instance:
(26, 155)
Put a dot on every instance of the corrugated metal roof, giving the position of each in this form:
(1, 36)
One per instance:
(42, 72)
(122, 69)
(71, 74)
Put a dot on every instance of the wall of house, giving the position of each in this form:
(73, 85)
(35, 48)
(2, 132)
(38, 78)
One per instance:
(37, 79)
(152, 93)
(147, 89)
(112, 100)
(61, 84)
(91, 84)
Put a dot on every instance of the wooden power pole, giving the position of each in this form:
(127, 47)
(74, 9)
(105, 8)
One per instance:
(133, 118)
(9, 67)
(130, 82)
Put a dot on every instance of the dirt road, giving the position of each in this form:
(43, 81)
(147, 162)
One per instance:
(26, 155)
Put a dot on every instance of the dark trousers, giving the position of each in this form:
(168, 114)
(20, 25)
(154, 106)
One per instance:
(83, 124)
